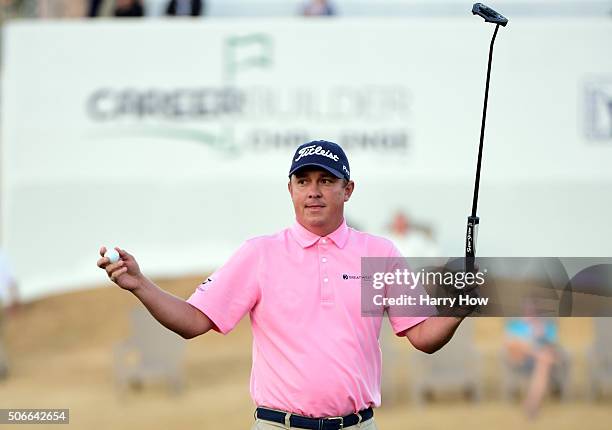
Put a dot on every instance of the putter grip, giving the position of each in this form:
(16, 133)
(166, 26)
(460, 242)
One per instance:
(489, 14)
(470, 242)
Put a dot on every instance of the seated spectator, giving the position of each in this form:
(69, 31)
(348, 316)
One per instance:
(531, 344)
(185, 8)
(318, 8)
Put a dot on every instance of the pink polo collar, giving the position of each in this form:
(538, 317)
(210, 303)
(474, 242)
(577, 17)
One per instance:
(306, 238)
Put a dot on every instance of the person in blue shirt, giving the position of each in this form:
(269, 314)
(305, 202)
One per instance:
(531, 343)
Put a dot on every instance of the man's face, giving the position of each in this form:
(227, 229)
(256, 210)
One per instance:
(318, 199)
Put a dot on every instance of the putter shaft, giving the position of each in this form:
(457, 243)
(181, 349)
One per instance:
(482, 126)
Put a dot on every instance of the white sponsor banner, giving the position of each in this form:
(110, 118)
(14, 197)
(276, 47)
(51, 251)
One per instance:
(174, 139)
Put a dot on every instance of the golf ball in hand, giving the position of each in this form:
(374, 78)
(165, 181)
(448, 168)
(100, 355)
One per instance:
(112, 255)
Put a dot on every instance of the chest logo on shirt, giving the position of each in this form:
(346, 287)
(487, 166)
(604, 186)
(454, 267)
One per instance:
(347, 277)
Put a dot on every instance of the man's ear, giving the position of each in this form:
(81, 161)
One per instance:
(289, 186)
(348, 190)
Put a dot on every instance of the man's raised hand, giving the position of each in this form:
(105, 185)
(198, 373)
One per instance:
(124, 272)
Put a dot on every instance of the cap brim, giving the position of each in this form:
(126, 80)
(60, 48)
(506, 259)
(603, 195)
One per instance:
(322, 166)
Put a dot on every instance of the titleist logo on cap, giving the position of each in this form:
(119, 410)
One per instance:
(315, 150)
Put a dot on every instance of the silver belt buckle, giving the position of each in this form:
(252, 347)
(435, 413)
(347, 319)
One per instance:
(337, 418)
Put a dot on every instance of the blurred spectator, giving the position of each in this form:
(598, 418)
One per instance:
(118, 8)
(11, 9)
(8, 286)
(412, 240)
(61, 8)
(8, 300)
(531, 345)
(185, 8)
(94, 8)
(318, 8)
(129, 8)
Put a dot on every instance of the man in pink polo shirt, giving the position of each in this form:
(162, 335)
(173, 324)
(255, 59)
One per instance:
(316, 358)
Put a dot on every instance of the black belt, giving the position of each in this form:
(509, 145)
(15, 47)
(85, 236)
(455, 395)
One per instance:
(331, 423)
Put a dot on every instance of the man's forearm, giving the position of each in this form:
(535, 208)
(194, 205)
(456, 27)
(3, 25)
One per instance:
(172, 312)
(433, 333)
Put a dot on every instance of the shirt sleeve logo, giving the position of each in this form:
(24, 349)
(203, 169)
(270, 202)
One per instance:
(205, 285)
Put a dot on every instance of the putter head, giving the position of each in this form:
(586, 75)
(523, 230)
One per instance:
(489, 14)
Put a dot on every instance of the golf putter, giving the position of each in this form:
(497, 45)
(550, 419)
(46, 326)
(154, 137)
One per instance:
(491, 16)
